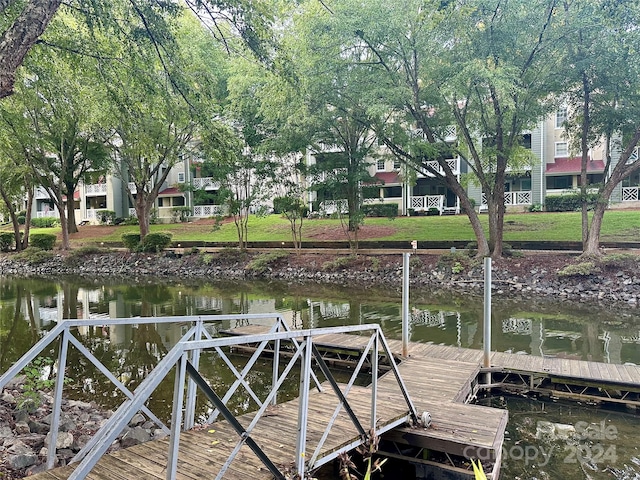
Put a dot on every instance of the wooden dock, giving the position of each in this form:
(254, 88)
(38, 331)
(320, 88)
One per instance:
(439, 379)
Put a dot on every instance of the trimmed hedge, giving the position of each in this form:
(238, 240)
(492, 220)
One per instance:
(130, 241)
(7, 240)
(156, 242)
(569, 202)
(43, 241)
(44, 222)
(389, 210)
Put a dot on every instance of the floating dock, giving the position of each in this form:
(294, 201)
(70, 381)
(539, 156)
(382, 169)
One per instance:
(441, 380)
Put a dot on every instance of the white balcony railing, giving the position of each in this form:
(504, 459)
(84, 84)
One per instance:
(205, 183)
(511, 198)
(428, 201)
(132, 212)
(630, 194)
(453, 164)
(132, 188)
(47, 214)
(329, 207)
(95, 189)
(205, 211)
(92, 213)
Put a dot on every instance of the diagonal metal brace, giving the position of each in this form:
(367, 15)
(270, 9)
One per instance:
(332, 381)
(230, 417)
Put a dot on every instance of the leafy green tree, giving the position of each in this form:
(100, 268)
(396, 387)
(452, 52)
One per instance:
(159, 103)
(16, 184)
(425, 66)
(604, 104)
(57, 117)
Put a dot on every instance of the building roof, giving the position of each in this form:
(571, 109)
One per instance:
(388, 177)
(171, 191)
(565, 166)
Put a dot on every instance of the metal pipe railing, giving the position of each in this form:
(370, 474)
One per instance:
(185, 358)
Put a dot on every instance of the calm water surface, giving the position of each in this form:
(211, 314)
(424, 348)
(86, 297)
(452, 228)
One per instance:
(30, 307)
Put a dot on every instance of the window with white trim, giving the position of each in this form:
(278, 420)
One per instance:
(380, 165)
(180, 177)
(561, 117)
(396, 164)
(562, 150)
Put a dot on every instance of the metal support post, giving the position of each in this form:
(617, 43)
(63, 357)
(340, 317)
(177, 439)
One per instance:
(276, 369)
(303, 412)
(487, 316)
(374, 382)
(176, 417)
(190, 407)
(405, 304)
(57, 398)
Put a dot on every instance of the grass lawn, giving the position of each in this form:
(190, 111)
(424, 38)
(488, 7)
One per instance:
(619, 225)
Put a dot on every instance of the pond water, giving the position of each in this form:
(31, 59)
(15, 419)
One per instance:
(29, 307)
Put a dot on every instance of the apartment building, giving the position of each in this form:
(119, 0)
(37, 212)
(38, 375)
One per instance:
(556, 170)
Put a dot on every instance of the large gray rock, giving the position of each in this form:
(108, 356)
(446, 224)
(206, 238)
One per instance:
(65, 440)
(137, 419)
(135, 436)
(18, 462)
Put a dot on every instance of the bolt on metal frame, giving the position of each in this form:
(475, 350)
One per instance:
(185, 357)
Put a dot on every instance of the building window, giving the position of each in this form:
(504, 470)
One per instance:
(180, 177)
(562, 150)
(396, 164)
(561, 117)
(563, 182)
(380, 165)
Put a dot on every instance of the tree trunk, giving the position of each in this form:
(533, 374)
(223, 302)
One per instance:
(142, 211)
(63, 223)
(20, 37)
(71, 215)
(27, 221)
(495, 210)
(591, 247)
(481, 238)
(584, 146)
(14, 218)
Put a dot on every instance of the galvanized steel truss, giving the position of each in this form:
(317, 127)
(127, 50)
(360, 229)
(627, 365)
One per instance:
(185, 358)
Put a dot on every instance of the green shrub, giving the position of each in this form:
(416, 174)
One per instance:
(432, 212)
(33, 255)
(106, 217)
(581, 269)
(389, 210)
(618, 260)
(22, 219)
(569, 202)
(156, 242)
(44, 222)
(7, 241)
(229, 254)
(43, 241)
(456, 262)
(535, 207)
(181, 214)
(75, 256)
(130, 241)
(338, 263)
(130, 220)
(261, 263)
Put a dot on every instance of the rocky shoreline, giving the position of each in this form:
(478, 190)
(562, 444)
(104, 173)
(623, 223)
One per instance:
(607, 284)
(25, 420)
